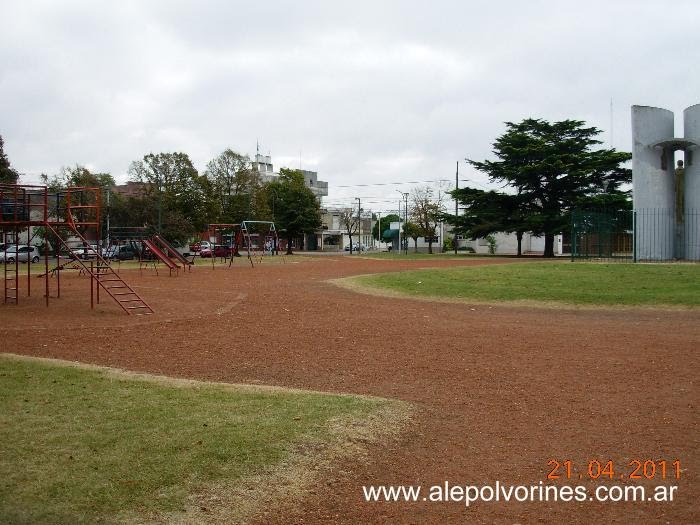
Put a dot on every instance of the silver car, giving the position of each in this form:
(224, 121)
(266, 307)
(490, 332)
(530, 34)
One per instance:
(21, 253)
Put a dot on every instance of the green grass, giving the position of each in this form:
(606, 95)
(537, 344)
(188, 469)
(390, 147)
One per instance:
(570, 283)
(87, 446)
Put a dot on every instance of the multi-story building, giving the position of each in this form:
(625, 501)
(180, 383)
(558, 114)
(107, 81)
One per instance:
(131, 189)
(263, 165)
(315, 241)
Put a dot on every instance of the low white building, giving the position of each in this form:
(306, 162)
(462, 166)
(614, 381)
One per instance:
(333, 235)
(507, 244)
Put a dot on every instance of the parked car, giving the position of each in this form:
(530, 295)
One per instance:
(218, 250)
(84, 252)
(222, 250)
(199, 246)
(121, 253)
(21, 253)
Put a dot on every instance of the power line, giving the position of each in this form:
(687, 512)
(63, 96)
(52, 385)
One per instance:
(390, 183)
(402, 183)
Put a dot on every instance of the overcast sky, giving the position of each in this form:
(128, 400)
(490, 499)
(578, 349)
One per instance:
(362, 92)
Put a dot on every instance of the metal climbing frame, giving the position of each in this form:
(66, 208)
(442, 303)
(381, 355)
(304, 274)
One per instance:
(21, 206)
(73, 212)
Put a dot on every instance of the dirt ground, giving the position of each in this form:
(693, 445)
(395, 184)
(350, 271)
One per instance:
(499, 390)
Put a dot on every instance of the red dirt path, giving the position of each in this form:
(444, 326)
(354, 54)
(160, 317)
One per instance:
(500, 390)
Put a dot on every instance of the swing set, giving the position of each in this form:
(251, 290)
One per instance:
(258, 238)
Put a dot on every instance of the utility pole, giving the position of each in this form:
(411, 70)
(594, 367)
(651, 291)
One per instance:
(405, 215)
(454, 238)
(359, 225)
(400, 245)
(371, 243)
(379, 230)
(160, 204)
(108, 210)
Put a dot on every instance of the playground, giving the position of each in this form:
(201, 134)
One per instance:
(497, 391)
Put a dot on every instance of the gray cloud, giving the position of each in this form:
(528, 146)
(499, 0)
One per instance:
(366, 91)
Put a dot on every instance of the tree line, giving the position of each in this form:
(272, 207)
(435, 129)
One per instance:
(546, 170)
(177, 200)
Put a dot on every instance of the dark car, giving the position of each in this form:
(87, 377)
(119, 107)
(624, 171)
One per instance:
(121, 253)
(222, 250)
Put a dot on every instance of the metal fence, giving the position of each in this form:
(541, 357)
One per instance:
(642, 235)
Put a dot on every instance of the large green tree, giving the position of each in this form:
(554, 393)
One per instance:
(179, 195)
(487, 212)
(8, 175)
(554, 167)
(296, 209)
(235, 187)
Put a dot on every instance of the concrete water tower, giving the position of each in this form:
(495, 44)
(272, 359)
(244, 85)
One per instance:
(666, 197)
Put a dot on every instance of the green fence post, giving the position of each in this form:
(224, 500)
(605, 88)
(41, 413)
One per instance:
(634, 236)
(573, 236)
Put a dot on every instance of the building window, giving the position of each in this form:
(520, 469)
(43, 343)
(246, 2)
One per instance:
(430, 239)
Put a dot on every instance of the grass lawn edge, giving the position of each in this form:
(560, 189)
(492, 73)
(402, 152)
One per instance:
(355, 284)
(272, 488)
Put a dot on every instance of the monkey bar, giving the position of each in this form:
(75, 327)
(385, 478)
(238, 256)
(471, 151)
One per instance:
(71, 212)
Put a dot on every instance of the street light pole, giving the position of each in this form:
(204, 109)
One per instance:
(400, 245)
(274, 202)
(359, 225)
(405, 215)
(454, 238)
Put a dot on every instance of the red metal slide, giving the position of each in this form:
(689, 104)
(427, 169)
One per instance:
(170, 250)
(161, 256)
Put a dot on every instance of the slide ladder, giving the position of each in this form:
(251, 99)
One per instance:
(155, 250)
(170, 250)
(109, 280)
